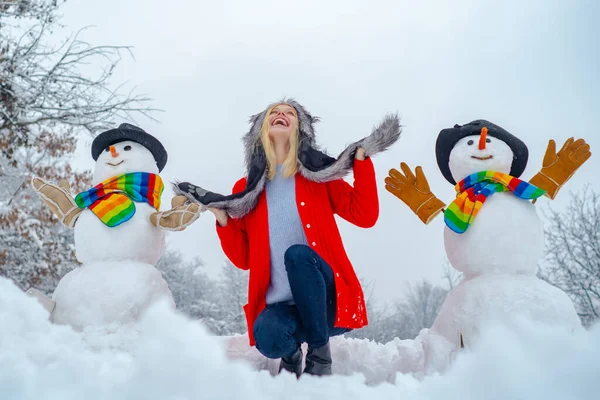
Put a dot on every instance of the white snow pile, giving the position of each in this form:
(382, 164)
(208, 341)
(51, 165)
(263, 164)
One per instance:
(167, 356)
(376, 362)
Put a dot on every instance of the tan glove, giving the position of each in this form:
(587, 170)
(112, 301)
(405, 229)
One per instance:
(414, 191)
(59, 199)
(179, 217)
(557, 168)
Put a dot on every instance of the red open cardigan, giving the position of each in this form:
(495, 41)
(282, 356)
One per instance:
(245, 241)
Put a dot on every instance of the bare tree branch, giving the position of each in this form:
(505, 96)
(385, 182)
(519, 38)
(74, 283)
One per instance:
(50, 93)
(572, 261)
(42, 84)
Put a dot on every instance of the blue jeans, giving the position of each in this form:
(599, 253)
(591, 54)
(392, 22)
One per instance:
(281, 327)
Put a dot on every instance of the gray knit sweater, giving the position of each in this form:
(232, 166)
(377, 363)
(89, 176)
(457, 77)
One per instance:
(285, 230)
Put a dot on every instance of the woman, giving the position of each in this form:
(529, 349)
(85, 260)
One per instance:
(279, 223)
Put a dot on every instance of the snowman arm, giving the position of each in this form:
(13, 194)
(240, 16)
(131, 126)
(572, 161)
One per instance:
(430, 209)
(58, 199)
(413, 189)
(177, 218)
(559, 167)
(545, 183)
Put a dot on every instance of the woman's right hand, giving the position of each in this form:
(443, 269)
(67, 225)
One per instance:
(221, 216)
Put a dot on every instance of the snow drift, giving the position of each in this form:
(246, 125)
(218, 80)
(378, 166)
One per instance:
(168, 356)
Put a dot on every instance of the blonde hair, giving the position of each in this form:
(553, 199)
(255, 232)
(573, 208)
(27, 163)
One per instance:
(290, 165)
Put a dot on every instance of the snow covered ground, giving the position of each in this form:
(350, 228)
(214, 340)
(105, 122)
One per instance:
(167, 356)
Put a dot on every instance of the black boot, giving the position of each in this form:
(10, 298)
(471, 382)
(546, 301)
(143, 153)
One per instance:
(292, 364)
(318, 361)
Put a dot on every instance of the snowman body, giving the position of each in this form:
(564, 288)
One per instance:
(506, 298)
(117, 280)
(506, 237)
(498, 254)
(108, 293)
(135, 240)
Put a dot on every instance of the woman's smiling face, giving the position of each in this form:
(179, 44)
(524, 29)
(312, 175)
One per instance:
(283, 120)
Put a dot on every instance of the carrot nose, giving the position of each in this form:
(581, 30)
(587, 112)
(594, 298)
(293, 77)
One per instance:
(113, 151)
(483, 138)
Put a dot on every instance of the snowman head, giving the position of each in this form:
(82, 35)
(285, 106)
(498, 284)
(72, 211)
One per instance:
(479, 146)
(123, 158)
(124, 150)
(473, 154)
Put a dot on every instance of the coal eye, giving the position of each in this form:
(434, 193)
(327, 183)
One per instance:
(488, 140)
(127, 148)
(470, 142)
(107, 149)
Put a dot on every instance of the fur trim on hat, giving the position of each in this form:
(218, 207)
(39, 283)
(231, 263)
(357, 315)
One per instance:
(314, 164)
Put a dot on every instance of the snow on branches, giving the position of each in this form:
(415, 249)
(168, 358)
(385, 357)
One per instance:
(572, 261)
(51, 91)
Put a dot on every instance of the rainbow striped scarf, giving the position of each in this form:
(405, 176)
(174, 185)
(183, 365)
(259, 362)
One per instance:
(474, 190)
(112, 200)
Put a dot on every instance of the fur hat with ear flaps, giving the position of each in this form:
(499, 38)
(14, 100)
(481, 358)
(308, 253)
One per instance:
(313, 164)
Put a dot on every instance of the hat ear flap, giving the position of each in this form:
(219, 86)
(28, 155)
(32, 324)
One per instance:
(255, 118)
(305, 122)
(251, 140)
(305, 128)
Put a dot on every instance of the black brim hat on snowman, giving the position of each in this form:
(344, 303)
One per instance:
(448, 138)
(313, 164)
(128, 132)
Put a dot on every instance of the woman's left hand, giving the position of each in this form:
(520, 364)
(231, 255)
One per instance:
(360, 154)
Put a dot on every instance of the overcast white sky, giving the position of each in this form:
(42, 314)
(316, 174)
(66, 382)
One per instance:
(531, 67)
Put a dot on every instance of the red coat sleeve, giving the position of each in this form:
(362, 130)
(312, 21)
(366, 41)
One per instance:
(233, 236)
(358, 205)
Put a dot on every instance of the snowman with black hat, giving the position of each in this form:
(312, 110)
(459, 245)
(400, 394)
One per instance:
(119, 231)
(493, 234)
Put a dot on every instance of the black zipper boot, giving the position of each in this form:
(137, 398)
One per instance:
(292, 364)
(318, 361)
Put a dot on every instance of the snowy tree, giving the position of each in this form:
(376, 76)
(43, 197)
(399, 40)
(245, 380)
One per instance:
(405, 317)
(193, 291)
(232, 296)
(419, 309)
(572, 261)
(451, 275)
(381, 328)
(217, 302)
(46, 101)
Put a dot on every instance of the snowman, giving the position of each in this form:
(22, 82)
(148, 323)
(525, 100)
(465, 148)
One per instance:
(119, 232)
(493, 234)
